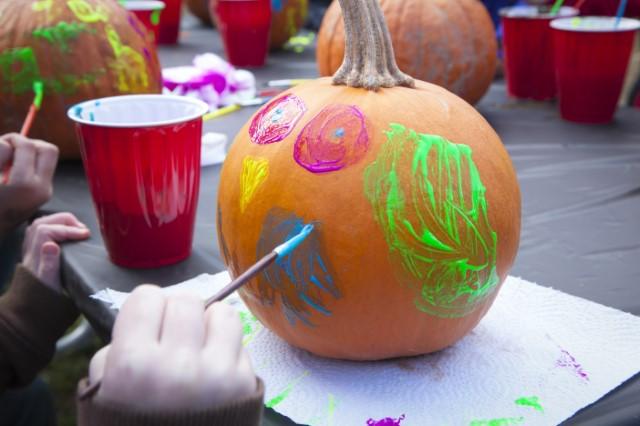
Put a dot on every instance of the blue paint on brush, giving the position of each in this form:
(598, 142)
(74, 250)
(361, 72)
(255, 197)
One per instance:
(289, 246)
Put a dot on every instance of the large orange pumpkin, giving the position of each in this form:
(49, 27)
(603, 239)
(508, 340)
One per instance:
(450, 43)
(414, 199)
(287, 17)
(79, 49)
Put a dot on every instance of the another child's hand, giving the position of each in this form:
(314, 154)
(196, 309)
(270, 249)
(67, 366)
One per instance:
(167, 354)
(26, 173)
(41, 254)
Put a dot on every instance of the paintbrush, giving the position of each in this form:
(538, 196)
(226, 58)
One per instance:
(38, 90)
(279, 252)
(233, 107)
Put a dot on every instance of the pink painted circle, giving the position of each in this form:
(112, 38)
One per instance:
(335, 138)
(275, 121)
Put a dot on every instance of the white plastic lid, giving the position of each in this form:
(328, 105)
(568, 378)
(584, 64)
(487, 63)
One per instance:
(137, 111)
(595, 24)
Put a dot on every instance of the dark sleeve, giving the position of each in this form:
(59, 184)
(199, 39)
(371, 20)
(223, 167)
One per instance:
(32, 318)
(245, 412)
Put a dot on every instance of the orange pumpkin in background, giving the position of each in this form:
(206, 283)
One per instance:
(450, 43)
(200, 9)
(79, 50)
(287, 17)
(414, 201)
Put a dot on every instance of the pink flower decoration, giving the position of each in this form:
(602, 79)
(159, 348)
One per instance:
(335, 138)
(275, 121)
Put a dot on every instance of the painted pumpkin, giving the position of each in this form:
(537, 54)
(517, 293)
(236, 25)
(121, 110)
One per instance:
(200, 9)
(414, 201)
(80, 50)
(450, 43)
(287, 17)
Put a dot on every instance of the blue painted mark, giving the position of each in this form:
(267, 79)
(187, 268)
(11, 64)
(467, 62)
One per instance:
(302, 278)
(78, 111)
(276, 5)
(97, 103)
(339, 133)
(91, 116)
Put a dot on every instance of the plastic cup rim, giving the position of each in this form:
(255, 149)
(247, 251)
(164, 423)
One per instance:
(564, 24)
(564, 12)
(202, 110)
(144, 5)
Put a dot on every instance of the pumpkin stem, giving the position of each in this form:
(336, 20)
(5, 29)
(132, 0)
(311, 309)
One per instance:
(369, 61)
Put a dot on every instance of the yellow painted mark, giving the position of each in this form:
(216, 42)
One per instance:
(128, 65)
(86, 12)
(254, 172)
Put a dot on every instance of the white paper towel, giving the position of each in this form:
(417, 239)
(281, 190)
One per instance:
(536, 358)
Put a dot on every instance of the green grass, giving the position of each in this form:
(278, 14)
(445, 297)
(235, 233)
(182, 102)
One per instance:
(63, 375)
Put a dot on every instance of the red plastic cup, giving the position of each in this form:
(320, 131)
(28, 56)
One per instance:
(148, 12)
(170, 22)
(591, 57)
(244, 26)
(141, 155)
(528, 51)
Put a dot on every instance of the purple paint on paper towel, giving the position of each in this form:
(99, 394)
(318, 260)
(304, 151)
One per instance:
(333, 139)
(567, 360)
(275, 121)
(388, 421)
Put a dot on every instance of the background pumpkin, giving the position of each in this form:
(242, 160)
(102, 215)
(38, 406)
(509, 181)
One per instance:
(450, 43)
(200, 9)
(287, 17)
(79, 49)
(414, 199)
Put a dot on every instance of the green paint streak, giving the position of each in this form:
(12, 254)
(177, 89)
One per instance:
(19, 70)
(429, 200)
(61, 33)
(155, 17)
(42, 5)
(505, 421)
(285, 393)
(38, 90)
(68, 84)
(531, 401)
(250, 327)
(332, 409)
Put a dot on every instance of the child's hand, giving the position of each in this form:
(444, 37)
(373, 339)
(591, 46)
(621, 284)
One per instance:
(168, 354)
(26, 173)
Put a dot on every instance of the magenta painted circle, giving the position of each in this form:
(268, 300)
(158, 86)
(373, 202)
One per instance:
(335, 138)
(276, 120)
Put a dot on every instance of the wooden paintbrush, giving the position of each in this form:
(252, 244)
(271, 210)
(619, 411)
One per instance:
(279, 252)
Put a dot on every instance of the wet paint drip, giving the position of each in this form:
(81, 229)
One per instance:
(568, 361)
(388, 421)
(504, 421)
(335, 138)
(428, 197)
(276, 120)
(85, 12)
(531, 401)
(250, 327)
(129, 65)
(155, 17)
(61, 33)
(301, 279)
(285, 393)
(254, 173)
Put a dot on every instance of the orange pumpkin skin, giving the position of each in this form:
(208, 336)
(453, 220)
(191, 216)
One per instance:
(287, 17)
(450, 43)
(200, 9)
(373, 313)
(80, 49)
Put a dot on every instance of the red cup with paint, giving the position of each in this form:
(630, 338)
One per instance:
(591, 58)
(528, 50)
(244, 26)
(148, 13)
(170, 22)
(141, 155)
